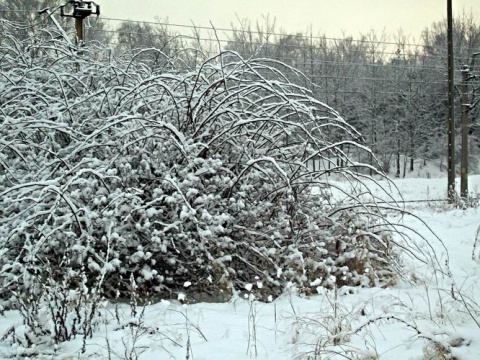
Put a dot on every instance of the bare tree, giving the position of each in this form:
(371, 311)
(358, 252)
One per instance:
(140, 36)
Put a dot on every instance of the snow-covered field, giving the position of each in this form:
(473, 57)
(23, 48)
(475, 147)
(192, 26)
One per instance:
(426, 315)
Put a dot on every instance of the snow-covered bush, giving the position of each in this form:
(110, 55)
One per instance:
(174, 175)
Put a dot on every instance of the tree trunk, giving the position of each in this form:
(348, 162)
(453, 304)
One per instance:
(398, 158)
(412, 153)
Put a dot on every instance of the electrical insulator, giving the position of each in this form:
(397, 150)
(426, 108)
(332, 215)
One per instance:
(81, 9)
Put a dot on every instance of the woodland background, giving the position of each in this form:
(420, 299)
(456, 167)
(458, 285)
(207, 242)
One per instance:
(392, 88)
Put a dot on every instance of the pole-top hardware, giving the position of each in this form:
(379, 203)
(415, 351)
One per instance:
(81, 9)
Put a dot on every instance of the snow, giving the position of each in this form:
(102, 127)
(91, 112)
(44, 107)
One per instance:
(411, 319)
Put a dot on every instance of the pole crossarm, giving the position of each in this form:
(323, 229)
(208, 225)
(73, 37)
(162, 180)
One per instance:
(81, 9)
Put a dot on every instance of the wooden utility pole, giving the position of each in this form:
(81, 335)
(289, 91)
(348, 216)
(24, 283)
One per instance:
(451, 106)
(81, 10)
(80, 31)
(465, 130)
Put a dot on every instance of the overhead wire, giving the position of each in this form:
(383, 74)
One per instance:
(307, 62)
(17, 11)
(249, 31)
(381, 54)
(365, 38)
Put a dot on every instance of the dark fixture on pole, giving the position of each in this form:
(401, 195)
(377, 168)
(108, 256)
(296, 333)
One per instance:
(81, 10)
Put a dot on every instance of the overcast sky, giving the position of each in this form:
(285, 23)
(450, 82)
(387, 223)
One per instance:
(329, 17)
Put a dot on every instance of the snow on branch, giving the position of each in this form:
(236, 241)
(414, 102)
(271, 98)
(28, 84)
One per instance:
(177, 173)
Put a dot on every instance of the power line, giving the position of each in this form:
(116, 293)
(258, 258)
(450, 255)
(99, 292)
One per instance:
(255, 32)
(392, 56)
(258, 44)
(250, 31)
(18, 11)
(296, 35)
(309, 55)
(381, 53)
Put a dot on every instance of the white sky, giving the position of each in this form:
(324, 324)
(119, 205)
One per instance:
(329, 17)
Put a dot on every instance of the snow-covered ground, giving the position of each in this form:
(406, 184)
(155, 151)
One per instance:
(418, 317)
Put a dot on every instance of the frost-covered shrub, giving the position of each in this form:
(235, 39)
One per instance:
(174, 176)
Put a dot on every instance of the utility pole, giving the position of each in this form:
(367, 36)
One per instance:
(451, 106)
(81, 10)
(466, 107)
(80, 31)
(465, 129)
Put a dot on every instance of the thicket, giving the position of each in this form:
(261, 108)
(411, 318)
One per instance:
(117, 177)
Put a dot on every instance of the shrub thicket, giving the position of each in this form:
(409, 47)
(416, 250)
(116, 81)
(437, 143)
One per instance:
(177, 179)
